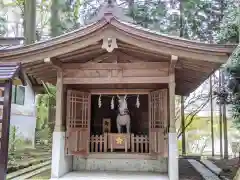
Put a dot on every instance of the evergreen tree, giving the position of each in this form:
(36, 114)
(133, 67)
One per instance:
(229, 33)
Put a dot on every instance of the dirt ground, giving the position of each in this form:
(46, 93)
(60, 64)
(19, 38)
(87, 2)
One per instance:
(230, 167)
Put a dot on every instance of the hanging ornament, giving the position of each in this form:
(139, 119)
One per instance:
(112, 103)
(99, 101)
(137, 102)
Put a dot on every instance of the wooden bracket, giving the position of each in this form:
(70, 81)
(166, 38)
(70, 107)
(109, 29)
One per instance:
(173, 63)
(54, 62)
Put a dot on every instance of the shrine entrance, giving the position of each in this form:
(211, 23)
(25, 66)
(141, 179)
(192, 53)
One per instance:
(92, 129)
(103, 131)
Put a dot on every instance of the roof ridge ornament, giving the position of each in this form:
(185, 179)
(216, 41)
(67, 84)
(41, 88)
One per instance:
(108, 10)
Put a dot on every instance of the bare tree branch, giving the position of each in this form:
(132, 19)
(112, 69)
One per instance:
(198, 100)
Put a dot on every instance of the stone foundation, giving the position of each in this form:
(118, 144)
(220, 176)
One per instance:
(106, 164)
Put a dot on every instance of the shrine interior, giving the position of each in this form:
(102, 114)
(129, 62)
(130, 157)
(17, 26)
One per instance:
(104, 115)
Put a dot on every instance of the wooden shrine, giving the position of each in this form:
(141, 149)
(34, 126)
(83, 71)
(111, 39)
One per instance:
(114, 56)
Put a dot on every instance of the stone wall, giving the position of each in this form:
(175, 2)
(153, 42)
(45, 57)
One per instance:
(139, 165)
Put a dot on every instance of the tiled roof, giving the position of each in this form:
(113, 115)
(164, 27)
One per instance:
(2, 47)
(11, 71)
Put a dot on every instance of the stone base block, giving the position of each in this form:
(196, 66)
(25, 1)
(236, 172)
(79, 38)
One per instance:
(61, 164)
(173, 173)
(139, 165)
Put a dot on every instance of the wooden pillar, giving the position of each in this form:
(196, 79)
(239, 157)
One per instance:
(59, 121)
(183, 127)
(173, 171)
(171, 87)
(61, 164)
(5, 129)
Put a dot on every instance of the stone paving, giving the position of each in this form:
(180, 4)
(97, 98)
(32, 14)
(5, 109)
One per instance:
(211, 166)
(113, 176)
(206, 173)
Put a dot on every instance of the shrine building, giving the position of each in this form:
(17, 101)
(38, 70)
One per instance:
(109, 64)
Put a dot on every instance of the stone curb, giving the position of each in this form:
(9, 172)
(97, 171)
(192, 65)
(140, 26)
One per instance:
(206, 173)
(215, 169)
(237, 177)
(28, 169)
(33, 173)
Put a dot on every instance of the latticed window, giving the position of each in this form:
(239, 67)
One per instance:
(18, 95)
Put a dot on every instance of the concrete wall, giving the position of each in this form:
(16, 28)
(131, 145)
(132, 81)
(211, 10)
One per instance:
(25, 126)
(24, 116)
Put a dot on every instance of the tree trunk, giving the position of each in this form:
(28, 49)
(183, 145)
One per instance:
(181, 22)
(55, 20)
(220, 116)
(29, 21)
(131, 7)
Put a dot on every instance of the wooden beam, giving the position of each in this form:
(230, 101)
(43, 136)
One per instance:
(27, 66)
(35, 66)
(99, 66)
(103, 57)
(128, 57)
(46, 73)
(116, 80)
(120, 91)
(52, 80)
(42, 69)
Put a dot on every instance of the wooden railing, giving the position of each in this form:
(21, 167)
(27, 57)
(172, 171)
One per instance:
(139, 144)
(76, 140)
(98, 143)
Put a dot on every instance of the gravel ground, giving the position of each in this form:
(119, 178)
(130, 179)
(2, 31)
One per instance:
(229, 167)
(42, 176)
(187, 171)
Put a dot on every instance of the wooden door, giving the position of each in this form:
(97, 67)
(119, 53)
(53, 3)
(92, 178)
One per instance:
(78, 122)
(158, 120)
